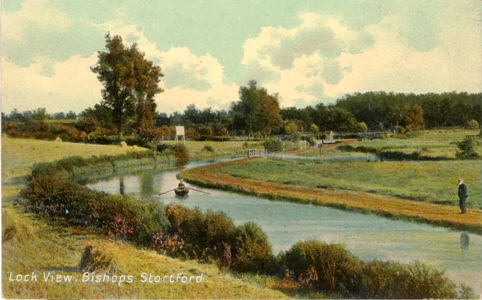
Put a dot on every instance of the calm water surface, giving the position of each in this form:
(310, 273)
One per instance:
(369, 237)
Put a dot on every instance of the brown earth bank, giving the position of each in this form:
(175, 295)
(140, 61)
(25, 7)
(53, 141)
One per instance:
(391, 207)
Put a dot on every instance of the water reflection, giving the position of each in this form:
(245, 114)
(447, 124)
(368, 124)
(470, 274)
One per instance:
(121, 185)
(147, 183)
(464, 243)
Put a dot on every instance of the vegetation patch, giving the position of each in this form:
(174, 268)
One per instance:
(330, 267)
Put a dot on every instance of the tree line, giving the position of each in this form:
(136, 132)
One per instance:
(385, 110)
(40, 114)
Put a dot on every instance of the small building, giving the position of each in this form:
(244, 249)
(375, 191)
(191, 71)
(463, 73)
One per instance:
(329, 137)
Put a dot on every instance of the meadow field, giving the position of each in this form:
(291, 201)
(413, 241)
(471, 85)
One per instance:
(429, 143)
(210, 150)
(434, 182)
(430, 181)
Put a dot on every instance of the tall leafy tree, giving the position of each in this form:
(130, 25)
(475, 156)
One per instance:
(257, 111)
(339, 119)
(413, 118)
(146, 78)
(130, 84)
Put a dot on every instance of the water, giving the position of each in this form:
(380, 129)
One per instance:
(369, 237)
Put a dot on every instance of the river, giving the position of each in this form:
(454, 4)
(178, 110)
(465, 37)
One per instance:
(369, 237)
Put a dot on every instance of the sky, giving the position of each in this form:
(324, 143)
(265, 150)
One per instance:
(307, 52)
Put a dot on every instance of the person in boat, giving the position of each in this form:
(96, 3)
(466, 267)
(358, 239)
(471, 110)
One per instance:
(181, 189)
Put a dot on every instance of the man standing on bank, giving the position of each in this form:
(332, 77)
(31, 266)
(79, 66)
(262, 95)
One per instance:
(463, 195)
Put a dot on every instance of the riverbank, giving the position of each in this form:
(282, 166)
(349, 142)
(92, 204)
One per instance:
(440, 215)
(36, 245)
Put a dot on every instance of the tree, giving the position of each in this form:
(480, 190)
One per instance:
(71, 115)
(257, 111)
(340, 119)
(291, 127)
(412, 118)
(146, 78)
(362, 127)
(314, 129)
(100, 112)
(130, 84)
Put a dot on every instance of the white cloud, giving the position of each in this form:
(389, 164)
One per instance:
(394, 65)
(321, 60)
(34, 13)
(72, 86)
(177, 99)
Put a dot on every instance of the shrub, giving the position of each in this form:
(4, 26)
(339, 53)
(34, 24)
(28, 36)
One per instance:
(384, 280)
(170, 244)
(55, 197)
(150, 217)
(220, 230)
(204, 234)
(467, 147)
(116, 215)
(192, 133)
(164, 147)
(472, 124)
(88, 125)
(362, 126)
(187, 223)
(363, 149)
(273, 144)
(327, 267)
(208, 148)
(223, 132)
(103, 139)
(252, 251)
(205, 132)
(11, 129)
(181, 153)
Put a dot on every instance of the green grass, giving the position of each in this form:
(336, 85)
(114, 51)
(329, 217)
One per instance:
(221, 149)
(19, 155)
(31, 244)
(425, 181)
(429, 143)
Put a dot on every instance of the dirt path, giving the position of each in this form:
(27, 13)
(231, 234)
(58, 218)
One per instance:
(441, 215)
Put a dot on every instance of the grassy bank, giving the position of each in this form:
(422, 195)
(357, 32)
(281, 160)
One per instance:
(297, 190)
(433, 182)
(35, 245)
(42, 247)
(19, 155)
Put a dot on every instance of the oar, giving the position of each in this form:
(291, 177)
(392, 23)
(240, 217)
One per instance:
(198, 190)
(167, 192)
